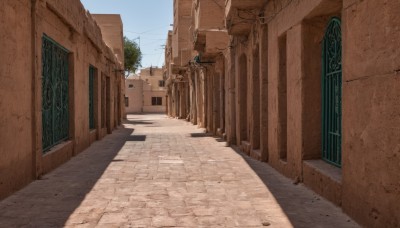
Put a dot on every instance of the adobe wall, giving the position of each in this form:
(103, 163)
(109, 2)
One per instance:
(230, 91)
(16, 96)
(147, 102)
(112, 32)
(288, 118)
(83, 39)
(135, 95)
(201, 101)
(280, 121)
(210, 14)
(371, 105)
(70, 26)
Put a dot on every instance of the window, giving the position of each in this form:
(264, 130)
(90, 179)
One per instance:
(130, 86)
(103, 100)
(282, 98)
(55, 93)
(126, 101)
(332, 94)
(161, 83)
(92, 71)
(156, 101)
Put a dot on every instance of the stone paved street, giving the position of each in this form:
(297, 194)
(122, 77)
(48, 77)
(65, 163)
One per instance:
(161, 172)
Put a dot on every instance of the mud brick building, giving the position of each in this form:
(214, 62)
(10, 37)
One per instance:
(309, 86)
(61, 85)
(145, 92)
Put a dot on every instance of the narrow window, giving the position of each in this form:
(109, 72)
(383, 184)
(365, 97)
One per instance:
(103, 101)
(130, 86)
(332, 94)
(282, 97)
(55, 95)
(126, 101)
(92, 71)
(161, 83)
(242, 99)
(156, 101)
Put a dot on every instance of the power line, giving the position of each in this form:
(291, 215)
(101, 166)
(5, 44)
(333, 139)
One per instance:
(150, 30)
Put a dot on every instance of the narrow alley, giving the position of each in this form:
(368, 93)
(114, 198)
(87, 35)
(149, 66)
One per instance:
(161, 172)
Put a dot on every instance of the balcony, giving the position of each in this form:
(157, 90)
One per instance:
(209, 15)
(241, 15)
(211, 41)
(209, 34)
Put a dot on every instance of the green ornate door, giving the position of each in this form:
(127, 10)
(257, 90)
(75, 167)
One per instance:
(55, 110)
(332, 94)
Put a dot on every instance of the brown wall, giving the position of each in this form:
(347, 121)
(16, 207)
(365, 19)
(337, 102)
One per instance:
(371, 161)
(15, 98)
(135, 95)
(280, 121)
(112, 32)
(21, 86)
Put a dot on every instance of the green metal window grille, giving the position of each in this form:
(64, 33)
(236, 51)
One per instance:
(92, 71)
(55, 110)
(332, 94)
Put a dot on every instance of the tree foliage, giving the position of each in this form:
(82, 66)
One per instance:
(133, 55)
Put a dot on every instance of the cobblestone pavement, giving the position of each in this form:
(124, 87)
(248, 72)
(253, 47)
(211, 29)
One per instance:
(161, 172)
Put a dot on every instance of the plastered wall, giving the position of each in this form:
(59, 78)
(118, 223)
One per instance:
(68, 24)
(16, 79)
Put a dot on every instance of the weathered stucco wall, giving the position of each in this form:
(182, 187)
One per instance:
(81, 43)
(146, 85)
(23, 26)
(371, 107)
(15, 96)
(134, 92)
(278, 46)
(147, 102)
(112, 32)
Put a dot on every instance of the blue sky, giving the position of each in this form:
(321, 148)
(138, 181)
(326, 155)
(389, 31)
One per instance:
(148, 19)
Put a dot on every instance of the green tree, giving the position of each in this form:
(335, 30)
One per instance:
(133, 56)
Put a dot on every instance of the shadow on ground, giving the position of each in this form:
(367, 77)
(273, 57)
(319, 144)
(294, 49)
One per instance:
(298, 202)
(139, 122)
(49, 202)
(136, 138)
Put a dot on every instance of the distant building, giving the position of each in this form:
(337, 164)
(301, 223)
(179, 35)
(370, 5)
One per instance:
(145, 92)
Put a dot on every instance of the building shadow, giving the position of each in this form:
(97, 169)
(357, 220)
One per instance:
(136, 138)
(299, 203)
(50, 201)
(139, 122)
(200, 135)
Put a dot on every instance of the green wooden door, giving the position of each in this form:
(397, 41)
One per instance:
(332, 94)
